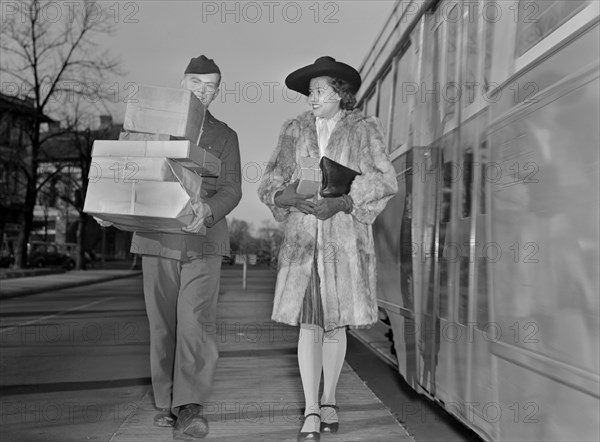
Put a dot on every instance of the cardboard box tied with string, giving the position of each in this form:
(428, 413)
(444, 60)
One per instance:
(149, 181)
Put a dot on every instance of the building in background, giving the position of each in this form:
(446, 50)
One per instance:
(16, 122)
(62, 158)
(56, 217)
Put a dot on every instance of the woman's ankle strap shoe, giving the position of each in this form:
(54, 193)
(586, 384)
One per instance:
(329, 427)
(310, 436)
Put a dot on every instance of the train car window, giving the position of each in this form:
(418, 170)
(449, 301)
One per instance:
(400, 113)
(385, 97)
(443, 278)
(406, 239)
(438, 66)
(449, 174)
(450, 88)
(489, 45)
(371, 104)
(482, 299)
(483, 170)
(537, 19)
(467, 185)
(463, 289)
(482, 311)
(472, 62)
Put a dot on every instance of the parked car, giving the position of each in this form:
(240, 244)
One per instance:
(42, 254)
(7, 258)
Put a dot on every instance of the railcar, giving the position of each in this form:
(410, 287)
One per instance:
(488, 256)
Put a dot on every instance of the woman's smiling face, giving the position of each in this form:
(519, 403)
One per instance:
(323, 100)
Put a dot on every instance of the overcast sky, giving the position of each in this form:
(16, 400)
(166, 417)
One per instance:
(256, 45)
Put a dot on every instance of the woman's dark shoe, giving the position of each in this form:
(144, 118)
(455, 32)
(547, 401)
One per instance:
(329, 427)
(164, 418)
(309, 436)
(190, 425)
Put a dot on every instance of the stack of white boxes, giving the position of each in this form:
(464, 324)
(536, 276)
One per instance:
(149, 178)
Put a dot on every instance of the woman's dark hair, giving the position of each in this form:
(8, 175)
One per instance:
(344, 90)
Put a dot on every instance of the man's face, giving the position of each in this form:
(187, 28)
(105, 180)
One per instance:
(204, 86)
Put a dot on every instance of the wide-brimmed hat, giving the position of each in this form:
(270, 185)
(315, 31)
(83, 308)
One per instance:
(299, 80)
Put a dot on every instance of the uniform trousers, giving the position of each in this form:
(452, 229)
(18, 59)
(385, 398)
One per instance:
(181, 303)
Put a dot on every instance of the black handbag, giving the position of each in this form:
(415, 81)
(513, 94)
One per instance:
(336, 178)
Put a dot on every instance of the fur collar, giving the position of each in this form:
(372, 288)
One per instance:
(308, 127)
(348, 118)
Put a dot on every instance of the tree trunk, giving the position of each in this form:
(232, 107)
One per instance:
(81, 265)
(21, 252)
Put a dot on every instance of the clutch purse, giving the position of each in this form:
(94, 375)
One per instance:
(336, 178)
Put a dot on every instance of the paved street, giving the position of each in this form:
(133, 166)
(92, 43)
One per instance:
(73, 361)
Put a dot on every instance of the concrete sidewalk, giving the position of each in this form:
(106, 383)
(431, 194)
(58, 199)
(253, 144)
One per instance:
(30, 285)
(257, 394)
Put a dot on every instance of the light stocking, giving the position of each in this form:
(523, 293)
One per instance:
(310, 362)
(334, 353)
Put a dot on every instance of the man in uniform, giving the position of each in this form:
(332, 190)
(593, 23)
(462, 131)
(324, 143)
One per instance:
(181, 276)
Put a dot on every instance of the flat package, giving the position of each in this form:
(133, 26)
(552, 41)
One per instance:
(184, 152)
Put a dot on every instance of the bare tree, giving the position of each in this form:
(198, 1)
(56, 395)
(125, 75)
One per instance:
(239, 234)
(50, 59)
(270, 236)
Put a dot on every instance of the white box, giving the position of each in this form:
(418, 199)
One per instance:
(131, 169)
(164, 110)
(310, 176)
(183, 151)
(146, 206)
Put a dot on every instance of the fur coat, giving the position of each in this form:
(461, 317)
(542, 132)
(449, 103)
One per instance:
(343, 244)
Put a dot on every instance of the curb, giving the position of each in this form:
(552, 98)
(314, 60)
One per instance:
(24, 273)
(65, 285)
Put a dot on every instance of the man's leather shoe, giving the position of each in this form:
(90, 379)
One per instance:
(164, 418)
(190, 424)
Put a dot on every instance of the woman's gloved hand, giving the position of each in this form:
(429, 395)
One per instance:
(290, 198)
(327, 207)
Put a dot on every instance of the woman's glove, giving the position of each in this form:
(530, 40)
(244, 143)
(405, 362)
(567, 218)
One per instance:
(290, 198)
(327, 207)
(103, 223)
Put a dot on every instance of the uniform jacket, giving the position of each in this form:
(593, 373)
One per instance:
(221, 193)
(343, 244)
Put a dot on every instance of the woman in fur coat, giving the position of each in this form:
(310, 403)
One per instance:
(326, 268)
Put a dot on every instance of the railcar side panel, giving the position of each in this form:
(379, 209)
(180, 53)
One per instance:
(489, 254)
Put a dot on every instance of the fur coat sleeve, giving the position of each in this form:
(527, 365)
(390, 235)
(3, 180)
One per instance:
(377, 183)
(280, 168)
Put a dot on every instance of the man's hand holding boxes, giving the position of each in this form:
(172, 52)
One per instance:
(151, 178)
